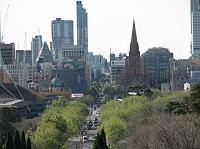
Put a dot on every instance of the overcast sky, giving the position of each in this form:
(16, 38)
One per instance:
(163, 23)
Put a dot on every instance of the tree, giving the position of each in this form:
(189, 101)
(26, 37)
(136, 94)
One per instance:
(23, 141)
(17, 142)
(195, 98)
(103, 141)
(50, 138)
(119, 91)
(109, 90)
(100, 141)
(9, 142)
(28, 144)
(96, 144)
(148, 93)
(94, 92)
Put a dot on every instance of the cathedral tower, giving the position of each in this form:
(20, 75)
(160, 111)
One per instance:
(134, 59)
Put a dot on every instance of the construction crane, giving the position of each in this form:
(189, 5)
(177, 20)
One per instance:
(25, 43)
(5, 23)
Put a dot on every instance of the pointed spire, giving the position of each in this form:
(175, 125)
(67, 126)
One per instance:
(134, 36)
(134, 47)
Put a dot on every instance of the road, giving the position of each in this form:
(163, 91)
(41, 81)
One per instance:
(75, 142)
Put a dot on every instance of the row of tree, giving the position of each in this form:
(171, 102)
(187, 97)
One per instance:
(57, 124)
(170, 121)
(18, 142)
(115, 115)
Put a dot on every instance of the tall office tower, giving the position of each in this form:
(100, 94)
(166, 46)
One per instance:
(82, 26)
(62, 34)
(8, 53)
(36, 45)
(156, 63)
(195, 29)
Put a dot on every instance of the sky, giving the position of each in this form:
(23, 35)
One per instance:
(159, 23)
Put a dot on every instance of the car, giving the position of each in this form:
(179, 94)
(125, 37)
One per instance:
(84, 139)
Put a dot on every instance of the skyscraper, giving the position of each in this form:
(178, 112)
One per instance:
(156, 63)
(82, 26)
(36, 45)
(195, 28)
(62, 34)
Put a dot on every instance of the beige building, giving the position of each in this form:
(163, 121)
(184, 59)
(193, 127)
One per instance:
(20, 74)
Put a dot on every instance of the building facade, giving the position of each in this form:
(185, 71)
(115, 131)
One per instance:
(21, 73)
(36, 45)
(8, 53)
(117, 69)
(156, 63)
(72, 74)
(70, 53)
(24, 56)
(82, 26)
(62, 34)
(195, 29)
(179, 73)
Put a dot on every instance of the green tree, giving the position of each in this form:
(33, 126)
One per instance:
(94, 92)
(23, 141)
(195, 98)
(119, 91)
(115, 129)
(17, 142)
(28, 144)
(148, 93)
(109, 91)
(47, 136)
(9, 142)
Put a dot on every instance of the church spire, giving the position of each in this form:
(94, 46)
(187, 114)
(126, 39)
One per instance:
(133, 69)
(134, 47)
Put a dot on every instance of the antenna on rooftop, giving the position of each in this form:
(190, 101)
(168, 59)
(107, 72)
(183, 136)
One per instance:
(0, 22)
(25, 43)
(38, 31)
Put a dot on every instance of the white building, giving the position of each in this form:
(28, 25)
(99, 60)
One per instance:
(71, 53)
(20, 74)
(195, 29)
(117, 69)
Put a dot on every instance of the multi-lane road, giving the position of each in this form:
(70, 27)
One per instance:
(78, 142)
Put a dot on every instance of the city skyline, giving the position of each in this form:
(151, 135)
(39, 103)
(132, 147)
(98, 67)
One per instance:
(158, 23)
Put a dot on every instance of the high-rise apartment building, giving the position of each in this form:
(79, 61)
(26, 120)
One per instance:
(195, 29)
(62, 34)
(82, 26)
(36, 45)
